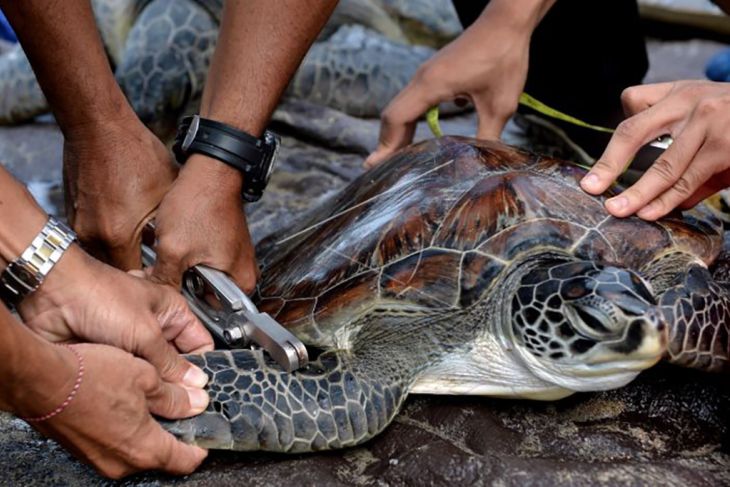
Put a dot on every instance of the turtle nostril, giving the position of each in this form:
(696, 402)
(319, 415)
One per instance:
(661, 326)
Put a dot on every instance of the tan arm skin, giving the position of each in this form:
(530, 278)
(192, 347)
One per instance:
(201, 220)
(109, 422)
(82, 299)
(487, 64)
(117, 172)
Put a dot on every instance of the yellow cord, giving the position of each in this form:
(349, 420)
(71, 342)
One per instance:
(432, 116)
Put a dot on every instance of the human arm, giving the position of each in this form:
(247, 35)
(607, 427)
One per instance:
(697, 116)
(201, 220)
(487, 64)
(115, 170)
(108, 423)
(84, 299)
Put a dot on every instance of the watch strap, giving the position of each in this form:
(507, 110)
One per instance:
(25, 274)
(250, 155)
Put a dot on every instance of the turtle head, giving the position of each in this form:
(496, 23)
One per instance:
(583, 326)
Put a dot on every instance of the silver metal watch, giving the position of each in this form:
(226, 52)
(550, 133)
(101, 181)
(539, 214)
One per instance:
(25, 274)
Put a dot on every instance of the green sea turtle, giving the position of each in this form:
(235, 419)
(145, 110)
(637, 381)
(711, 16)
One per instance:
(161, 51)
(462, 267)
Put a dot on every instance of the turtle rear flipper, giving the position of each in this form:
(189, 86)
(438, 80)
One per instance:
(698, 310)
(22, 98)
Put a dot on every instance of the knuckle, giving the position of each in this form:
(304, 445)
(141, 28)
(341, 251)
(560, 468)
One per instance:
(626, 129)
(664, 169)
(425, 74)
(630, 96)
(390, 115)
(602, 166)
(147, 378)
(171, 249)
(708, 106)
(684, 187)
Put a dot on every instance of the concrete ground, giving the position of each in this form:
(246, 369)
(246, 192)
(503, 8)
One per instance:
(669, 427)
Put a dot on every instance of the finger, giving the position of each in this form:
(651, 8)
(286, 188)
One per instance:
(491, 119)
(171, 366)
(630, 135)
(171, 455)
(180, 325)
(699, 196)
(661, 175)
(166, 271)
(173, 401)
(636, 99)
(685, 187)
(245, 273)
(398, 121)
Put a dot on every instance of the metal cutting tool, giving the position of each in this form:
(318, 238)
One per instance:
(230, 315)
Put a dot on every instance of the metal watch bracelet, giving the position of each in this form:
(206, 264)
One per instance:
(26, 273)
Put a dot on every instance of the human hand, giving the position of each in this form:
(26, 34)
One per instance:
(83, 299)
(487, 65)
(115, 175)
(696, 114)
(109, 422)
(201, 221)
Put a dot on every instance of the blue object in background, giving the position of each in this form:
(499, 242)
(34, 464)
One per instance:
(6, 32)
(718, 68)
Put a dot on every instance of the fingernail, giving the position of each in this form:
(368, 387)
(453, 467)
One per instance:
(617, 203)
(590, 180)
(198, 399)
(195, 377)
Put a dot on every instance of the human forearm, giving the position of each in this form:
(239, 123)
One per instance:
(20, 218)
(35, 376)
(260, 46)
(64, 47)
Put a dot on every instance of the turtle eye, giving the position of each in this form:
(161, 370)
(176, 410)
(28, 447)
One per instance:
(590, 318)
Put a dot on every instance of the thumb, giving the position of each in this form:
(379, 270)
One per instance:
(165, 271)
(172, 367)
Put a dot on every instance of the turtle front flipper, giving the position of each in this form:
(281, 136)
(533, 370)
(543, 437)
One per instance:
(166, 59)
(22, 98)
(697, 309)
(333, 403)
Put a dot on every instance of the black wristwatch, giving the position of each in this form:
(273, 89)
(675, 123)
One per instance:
(252, 156)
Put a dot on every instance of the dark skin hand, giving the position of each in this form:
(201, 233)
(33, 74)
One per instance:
(201, 220)
(109, 423)
(118, 176)
(697, 115)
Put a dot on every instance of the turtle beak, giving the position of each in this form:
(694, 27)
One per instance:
(643, 343)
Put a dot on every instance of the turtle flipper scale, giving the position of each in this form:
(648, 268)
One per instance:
(698, 310)
(22, 98)
(255, 405)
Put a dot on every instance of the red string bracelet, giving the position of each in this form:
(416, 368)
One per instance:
(71, 395)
